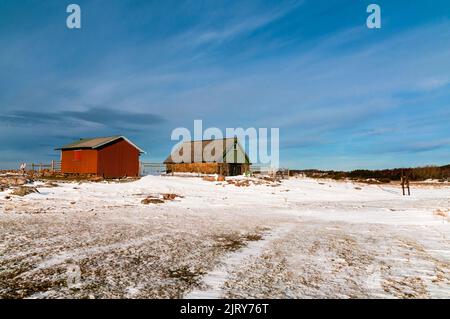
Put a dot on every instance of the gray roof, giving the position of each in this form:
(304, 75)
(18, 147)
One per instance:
(212, 147)
(96, 142)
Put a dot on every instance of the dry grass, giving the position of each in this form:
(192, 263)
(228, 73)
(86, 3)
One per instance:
(160, 199)
(170, 196)
(439, 212)
(186, 274)
(24, 190)
(152, 200)
(234, 241)
(161, 256)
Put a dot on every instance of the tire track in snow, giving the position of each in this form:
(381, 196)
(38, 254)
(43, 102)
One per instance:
(216, 278)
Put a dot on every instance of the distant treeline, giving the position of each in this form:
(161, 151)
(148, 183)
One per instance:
(385, 175)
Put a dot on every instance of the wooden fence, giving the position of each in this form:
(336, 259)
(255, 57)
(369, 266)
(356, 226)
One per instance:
(53, 166)
(269, 171)
(152, 168)
(147, 168)
(160, 168)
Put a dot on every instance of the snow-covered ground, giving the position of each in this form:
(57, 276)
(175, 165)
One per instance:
(303, 238)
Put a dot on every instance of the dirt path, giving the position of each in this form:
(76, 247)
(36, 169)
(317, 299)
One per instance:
(320, 259)
(212, 282)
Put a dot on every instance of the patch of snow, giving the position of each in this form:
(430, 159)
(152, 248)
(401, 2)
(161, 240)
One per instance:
(329, 238)
(215, 279)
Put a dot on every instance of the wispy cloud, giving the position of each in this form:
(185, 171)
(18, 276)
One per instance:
(414, 147)
(236, 25)
(333, 87)
(94, 115)
(433, 83)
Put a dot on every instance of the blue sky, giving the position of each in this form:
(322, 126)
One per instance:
(343, 96)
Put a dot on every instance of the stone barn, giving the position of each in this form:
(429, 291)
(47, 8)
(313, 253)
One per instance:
(221, 156)
(108, 157)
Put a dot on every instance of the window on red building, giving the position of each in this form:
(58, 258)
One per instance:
(77, 155)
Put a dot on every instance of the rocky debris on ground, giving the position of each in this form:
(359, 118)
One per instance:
(442, 212)
(214, 178)
(49, 184)
(13, 180)
(170, 196)
(24, 190)
(152, 199)
(268, 181)
(46, 173)
(263, 180)
(239, 183)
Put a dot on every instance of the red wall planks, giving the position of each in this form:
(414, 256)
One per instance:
(117, 159)
(79, 161)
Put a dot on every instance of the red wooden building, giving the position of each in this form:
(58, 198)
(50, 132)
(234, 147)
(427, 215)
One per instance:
(109, 157)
